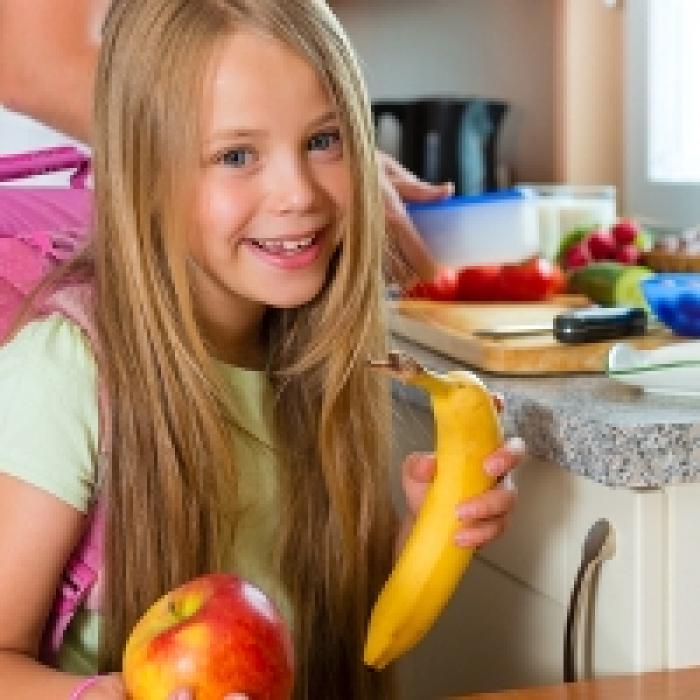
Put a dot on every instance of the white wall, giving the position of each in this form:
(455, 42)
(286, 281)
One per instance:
(19, 133)
(489, 48)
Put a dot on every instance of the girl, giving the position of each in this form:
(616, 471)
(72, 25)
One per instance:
(235, 267)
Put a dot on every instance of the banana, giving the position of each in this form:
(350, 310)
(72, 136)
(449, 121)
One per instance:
(430, 565)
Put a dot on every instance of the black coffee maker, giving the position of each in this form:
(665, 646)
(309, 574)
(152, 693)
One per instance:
(444, 139)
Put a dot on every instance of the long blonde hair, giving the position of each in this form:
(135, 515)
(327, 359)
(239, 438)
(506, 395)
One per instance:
(170, 482)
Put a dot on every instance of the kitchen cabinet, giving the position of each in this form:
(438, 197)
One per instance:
(504, 628)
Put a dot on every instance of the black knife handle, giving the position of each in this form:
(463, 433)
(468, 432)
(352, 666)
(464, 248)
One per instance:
(599, 323)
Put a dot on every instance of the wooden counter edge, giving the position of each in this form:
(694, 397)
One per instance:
(680, 684)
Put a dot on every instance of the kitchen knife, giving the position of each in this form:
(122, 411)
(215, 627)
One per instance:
(579, 325)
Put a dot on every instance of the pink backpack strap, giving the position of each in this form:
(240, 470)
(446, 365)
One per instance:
(80, 578)
(80, 581)
(47, 160)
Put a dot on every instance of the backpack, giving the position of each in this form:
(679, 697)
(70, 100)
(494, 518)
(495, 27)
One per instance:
(39, 228)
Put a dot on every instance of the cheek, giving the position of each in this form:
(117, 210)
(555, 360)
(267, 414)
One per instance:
(221, 211)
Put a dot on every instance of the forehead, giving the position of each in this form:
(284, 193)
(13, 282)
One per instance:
(258, 80)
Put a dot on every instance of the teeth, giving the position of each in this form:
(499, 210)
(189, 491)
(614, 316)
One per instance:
(279, 246)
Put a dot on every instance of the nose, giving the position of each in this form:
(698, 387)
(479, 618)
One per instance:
(292, 187)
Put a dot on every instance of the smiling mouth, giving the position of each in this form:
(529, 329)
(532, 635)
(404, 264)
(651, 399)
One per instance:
(285, 246)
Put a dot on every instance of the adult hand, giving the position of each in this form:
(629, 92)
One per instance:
(408, 257)
(482, 518)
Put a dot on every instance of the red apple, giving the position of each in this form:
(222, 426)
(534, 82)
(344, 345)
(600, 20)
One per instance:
(624, 231)
(215, 635)
(601, 244)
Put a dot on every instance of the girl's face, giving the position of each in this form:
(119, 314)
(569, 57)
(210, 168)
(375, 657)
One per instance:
(273, 185)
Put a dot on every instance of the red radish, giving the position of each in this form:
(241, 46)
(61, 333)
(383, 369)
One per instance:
(628, 254)
(601, 244)
(577, 256)
(624, 231)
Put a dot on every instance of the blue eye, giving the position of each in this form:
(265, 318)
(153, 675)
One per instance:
(325, 140)
(237, 157)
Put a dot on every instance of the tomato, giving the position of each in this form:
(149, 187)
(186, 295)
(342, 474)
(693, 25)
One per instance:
(479, 283)
(534, 280)
(443, 287)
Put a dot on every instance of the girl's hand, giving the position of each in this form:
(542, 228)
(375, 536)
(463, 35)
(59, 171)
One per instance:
(109, 687)
(484, 517)
(409, 258)
(185, 694)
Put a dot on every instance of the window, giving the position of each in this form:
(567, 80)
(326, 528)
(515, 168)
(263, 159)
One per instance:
(663, 112)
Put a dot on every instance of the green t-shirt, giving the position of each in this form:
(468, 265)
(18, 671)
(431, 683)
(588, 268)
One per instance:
(48, 438)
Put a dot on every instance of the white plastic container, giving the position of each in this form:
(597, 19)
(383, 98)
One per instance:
(562, 208)
(493, 228)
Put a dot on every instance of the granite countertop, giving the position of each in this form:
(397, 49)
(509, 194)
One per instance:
(609, 432)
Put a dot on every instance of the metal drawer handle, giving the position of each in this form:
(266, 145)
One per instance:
(598, 546)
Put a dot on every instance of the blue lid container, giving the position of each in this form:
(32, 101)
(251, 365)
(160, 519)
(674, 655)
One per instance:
(675, 300)
(490, 228)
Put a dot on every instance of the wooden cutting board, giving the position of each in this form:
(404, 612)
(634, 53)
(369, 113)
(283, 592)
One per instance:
(449, 329)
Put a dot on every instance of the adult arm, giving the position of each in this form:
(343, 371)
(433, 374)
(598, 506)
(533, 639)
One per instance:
(48, 54)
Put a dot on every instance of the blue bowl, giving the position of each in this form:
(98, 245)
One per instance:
(675, 300)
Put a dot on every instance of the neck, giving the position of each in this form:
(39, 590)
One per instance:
(236, 341)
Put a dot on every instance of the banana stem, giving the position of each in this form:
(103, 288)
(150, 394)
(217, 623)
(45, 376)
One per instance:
(409, 371)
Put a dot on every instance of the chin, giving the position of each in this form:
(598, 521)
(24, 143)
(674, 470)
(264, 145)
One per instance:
(286, 297)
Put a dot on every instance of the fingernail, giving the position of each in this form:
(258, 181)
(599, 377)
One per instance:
(516, 444)
(449, 188)
(466, 511)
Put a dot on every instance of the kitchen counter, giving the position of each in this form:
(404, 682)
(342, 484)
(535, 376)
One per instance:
(683, 684)
(599, 450)
(612, 433)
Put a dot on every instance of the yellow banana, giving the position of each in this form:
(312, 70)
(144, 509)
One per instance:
(430, 565)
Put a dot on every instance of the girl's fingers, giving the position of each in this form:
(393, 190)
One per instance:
(186, 694)
(480, 534)
(181, 694)
(419, 466)
(493, 504)
(417, 472)
(505, 458)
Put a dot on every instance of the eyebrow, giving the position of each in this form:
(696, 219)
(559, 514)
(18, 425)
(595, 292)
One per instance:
(243, 132)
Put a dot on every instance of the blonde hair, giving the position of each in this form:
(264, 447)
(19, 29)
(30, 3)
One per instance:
(170, 482)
